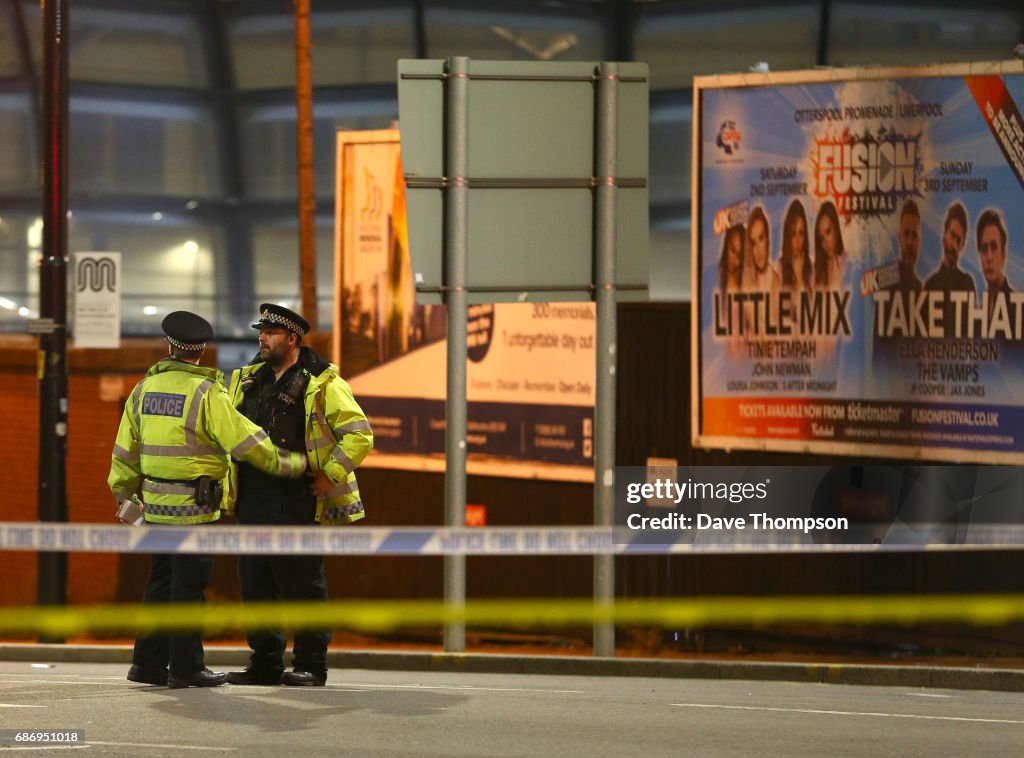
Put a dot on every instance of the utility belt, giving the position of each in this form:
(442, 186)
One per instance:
(205, 490)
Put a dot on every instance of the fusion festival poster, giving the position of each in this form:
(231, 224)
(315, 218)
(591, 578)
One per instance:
(860, 262)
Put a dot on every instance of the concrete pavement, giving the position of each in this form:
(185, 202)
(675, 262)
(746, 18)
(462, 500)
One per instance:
(948, 677)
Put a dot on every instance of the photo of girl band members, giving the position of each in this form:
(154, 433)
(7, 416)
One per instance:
(745, 263)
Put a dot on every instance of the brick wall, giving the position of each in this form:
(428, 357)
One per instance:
(19, 413)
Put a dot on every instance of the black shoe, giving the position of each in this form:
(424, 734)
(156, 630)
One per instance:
(204, 678)
(144, 675)
(303, 679)
(255, 676)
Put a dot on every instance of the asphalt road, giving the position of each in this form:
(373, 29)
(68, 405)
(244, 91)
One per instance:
(393, 713)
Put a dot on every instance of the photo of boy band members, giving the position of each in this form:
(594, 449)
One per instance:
(990, 232)
(949, 277)
(990, 242)
(909, 239)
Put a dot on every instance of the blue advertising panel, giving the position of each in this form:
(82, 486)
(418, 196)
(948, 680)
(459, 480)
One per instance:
(860, 263)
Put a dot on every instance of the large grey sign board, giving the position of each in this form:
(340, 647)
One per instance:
(530, 178)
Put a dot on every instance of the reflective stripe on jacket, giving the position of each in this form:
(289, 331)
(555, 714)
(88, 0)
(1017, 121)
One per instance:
(338, 437)
(177, 426)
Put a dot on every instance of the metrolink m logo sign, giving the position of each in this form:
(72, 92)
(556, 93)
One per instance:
(97, 309)
(95, 274)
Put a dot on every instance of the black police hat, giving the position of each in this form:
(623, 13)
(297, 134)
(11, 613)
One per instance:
(273, 315)
(187, 331)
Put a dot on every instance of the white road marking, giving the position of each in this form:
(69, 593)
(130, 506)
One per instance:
(162, 745)
(62, 681)
(455, 687)
(15, 705)
(284, 688)
(76, 677)
(358, 687)
(43, 747)
(815, 711)
(928, 694)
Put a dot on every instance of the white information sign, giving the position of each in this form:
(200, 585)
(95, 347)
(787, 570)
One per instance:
(97, 293)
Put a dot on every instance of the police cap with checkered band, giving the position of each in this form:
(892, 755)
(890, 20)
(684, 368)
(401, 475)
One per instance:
(277, 316)
(187, 331)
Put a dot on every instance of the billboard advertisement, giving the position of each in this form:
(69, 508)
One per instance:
(530, 374)
(859, 253)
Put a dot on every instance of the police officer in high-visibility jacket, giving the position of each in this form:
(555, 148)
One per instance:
(177, 434)
(302, 403)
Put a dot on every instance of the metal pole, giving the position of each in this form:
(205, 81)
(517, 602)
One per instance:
(456, 265)
(53, 379)
(604, 406)
(307, 199)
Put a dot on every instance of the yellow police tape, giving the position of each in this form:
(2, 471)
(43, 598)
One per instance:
(386, 615)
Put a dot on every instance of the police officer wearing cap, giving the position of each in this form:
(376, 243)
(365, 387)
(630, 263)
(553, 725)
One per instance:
(172, 453)
(302, 403)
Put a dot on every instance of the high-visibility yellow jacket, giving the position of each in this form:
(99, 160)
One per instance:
(338, 436)
(177, 426)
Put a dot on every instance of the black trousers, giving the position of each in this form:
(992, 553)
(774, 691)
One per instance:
(175, 579)
(267, 578)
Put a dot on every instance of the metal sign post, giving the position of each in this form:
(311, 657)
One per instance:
(526, 181)
(456, 210)
(604, 280)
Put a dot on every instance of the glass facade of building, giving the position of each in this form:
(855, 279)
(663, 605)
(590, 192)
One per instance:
(182, 127)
